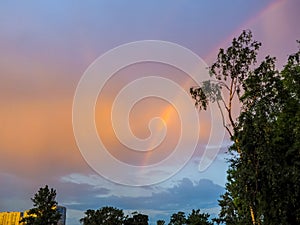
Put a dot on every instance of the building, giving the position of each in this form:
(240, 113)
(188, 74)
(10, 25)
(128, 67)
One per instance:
(10, 218)
(13, 218)
(63, 211)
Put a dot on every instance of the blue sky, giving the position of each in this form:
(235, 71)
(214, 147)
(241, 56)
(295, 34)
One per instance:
(46, 46)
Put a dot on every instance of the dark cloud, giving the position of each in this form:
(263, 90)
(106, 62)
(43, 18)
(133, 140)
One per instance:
(70, 194)
(184, 195)
(16, 192)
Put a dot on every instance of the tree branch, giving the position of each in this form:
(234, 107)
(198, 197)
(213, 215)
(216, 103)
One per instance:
(223, 119)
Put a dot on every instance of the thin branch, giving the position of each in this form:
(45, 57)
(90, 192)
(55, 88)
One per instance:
(230, 102)
(221, 83)
(223, 119)
(234, 88)
(224, 104)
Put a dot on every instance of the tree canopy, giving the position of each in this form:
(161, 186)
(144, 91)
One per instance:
(194, 218)
(45, 208)
(137, 219)
(264, 173)
(105, 215)
(112, 216)
(109, 215)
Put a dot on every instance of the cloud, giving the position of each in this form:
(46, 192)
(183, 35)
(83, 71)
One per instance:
(183, 195)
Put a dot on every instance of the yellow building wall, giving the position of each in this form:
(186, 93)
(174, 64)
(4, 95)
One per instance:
(13, 218)
(10, 218)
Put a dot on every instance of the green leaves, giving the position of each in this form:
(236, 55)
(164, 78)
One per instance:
(235, 62)
(199, 96)
(112, 216)
(229, 73)
(178, 219)
(45, 208)
(264, 174)
(137, 219)
(210, 91)
(198, 218)
(106, 215)
(194, 218)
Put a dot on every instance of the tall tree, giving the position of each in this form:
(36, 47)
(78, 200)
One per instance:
(106, 215)
(263, 179)
(230, 71)
(45, 208)
(279, 204)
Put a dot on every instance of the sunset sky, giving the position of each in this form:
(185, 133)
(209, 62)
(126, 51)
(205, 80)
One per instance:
(45, 48)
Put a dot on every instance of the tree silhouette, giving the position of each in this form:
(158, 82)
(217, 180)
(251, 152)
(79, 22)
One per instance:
(160, 222)
(198, 218)
(137, 219)
(45, 208)
(178, 218)
(230, 72)
(264, 173)
(106, 215)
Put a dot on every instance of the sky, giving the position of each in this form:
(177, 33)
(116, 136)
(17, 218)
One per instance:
(46, 48)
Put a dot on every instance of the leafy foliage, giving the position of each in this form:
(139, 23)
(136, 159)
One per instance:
(264, 174)
(229, 71)
(137, 219)
(160, 222)
(194, 218)
(112, 216)
(106, 215)
(197, 218)
(178, 219)
(45, 208)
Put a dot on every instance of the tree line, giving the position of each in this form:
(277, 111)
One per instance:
(45, 212)
(113, 216)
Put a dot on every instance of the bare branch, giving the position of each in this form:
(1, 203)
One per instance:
(230, 104)
(223, 120)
